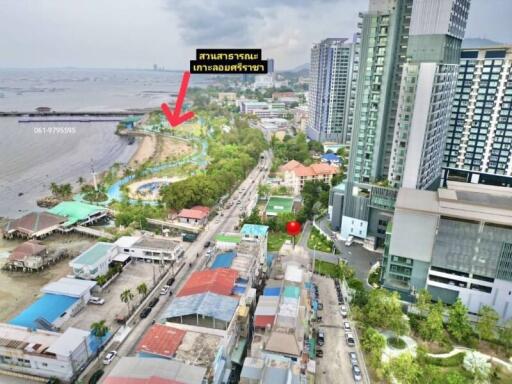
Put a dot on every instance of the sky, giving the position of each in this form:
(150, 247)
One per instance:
(140, 33)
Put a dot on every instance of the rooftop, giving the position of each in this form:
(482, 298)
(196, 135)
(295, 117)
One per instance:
(161, 340)
(75, 211)
(69, 341)
(135, 370)
(220, 281)
(223, 260)
(19, 337)
(49, 307)
(34, 222)
(95, 253)
(192, 214)
(231, 238)
(254, 230)
(199, 349)
(206, 304)
(26, 249)
(69, 287)
(155, 243)
(301, 170)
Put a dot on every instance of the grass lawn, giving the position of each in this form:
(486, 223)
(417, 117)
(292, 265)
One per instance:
(326, 268)
(276, 240)
(319, 242)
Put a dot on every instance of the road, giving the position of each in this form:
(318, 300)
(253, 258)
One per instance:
(226, 221)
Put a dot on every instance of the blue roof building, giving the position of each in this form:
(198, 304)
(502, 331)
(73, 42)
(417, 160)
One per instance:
(223, 260)
(331, 158)
(254, 230)
(45, 311)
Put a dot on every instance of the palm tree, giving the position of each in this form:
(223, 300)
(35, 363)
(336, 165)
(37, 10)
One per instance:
(80, 180)
(101, 280)
(54, 188)
(126, 297)
(99, 329)
(142, 288)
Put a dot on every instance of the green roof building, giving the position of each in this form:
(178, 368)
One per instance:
(78, 213)
(94, 261)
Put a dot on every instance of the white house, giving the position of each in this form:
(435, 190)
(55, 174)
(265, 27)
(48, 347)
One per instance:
(43, 353)
(94, 261)
(150, 248)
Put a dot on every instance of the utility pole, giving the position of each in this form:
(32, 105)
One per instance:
(94, 182)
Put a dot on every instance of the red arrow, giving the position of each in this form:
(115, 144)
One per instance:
(174, 118)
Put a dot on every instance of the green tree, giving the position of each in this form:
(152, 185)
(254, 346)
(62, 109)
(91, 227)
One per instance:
(101, 280)
(404, 369)
(487, 322)
(142, 289)
(431, 328)
(263, 190)
(424, 302)
(99, 329)
(458, 321)
(80, 180)
(126, 297)
(384, 310)
(505, 334)
(373, 343)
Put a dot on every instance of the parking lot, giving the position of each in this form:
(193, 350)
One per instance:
(133, 274)
(334, 366)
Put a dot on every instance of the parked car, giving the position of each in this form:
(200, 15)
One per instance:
(207, 244)
(356, 372)
(145, 312)
(320, 305)
(165, 290)
(343, 311)
(349, 241)
(346, 326)
(320, 338)
(349, 338)
(96, 300)
(109, 357)
(353, 358)
(170, 281)
(319, 353)
(153, 302)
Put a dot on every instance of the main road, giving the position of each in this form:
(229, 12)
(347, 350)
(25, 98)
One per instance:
(227, 220)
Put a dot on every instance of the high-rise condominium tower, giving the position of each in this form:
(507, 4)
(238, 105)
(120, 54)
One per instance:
(479, 144)
(408, 64)
(330, 89)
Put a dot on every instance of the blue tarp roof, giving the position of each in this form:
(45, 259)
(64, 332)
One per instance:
(207, 304)
(223, 260)
(254, 230)
(331, 157)
(276, 291)
(49, 306)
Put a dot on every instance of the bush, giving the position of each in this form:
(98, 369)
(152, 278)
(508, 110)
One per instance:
(396, 342)
(374, 278)
(452, 361)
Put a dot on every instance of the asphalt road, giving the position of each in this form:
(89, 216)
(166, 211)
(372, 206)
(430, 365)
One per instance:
(227, 222)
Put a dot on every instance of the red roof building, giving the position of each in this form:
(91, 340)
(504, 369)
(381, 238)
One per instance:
(262, 321)
(220, 281)
(296, 174)
(196, 216)
(161, 340)
(201, 208)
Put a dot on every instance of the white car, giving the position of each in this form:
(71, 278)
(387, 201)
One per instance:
(109, 357)
(96, 300)
(164, 290)
(349, 241)
(343, 311)
(346, 326)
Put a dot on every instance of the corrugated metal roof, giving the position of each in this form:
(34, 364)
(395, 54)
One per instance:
(272, 291)
(254, 230)
(293, 273)
(262, 321)
(267, 305)
(75, 211)
(220, 281)
(49, 307)
(207, 304)
(95, 253)
(223, 260)
(161, 340)
(292, 292)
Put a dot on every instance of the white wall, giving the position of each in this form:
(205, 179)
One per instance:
(353, 227)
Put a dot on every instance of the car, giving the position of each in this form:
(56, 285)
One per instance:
(343, 311)
(207, 244)
(170, 281)
(209, 251)
(109, 357)
(145, 312)
(165, 290)
(320, 338)
(349, 241)
(238, 202)
(353, 358)
(96, 300)
(346, 326)
(153, 302)
(319, 353)
(356, 373)
(349, 338)
(320, 305)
